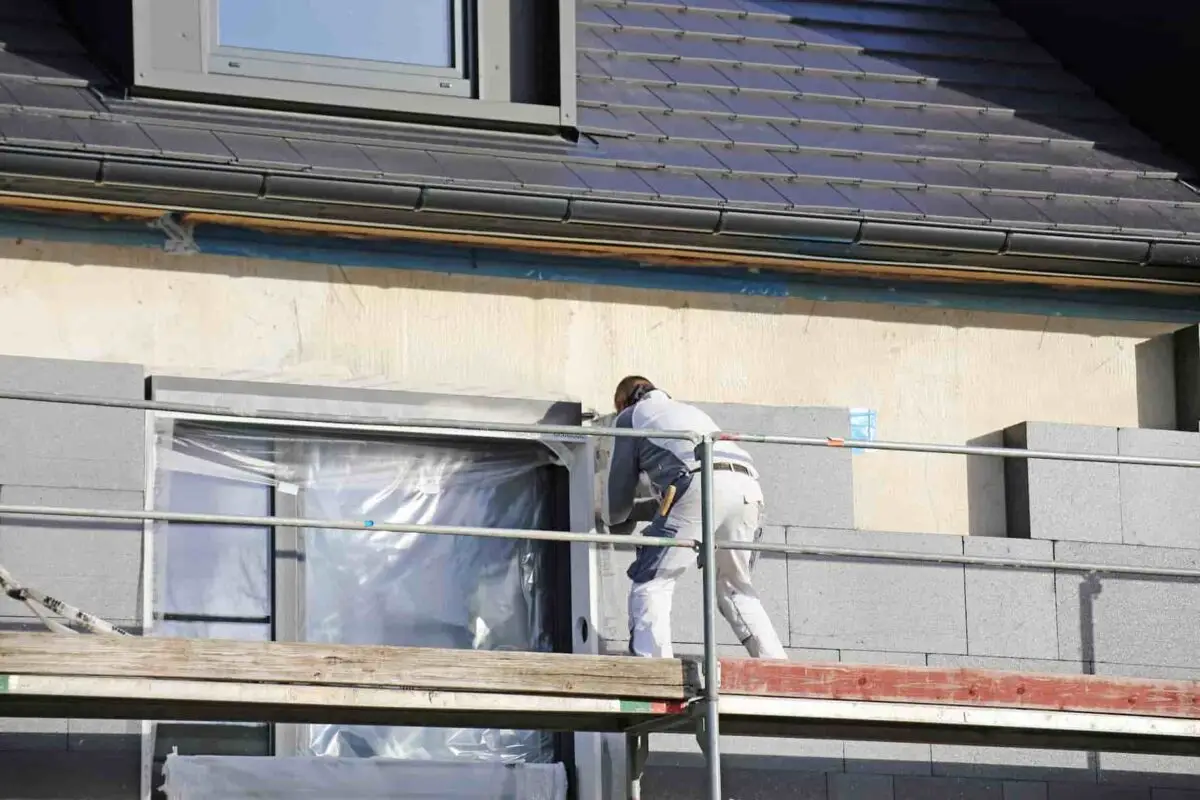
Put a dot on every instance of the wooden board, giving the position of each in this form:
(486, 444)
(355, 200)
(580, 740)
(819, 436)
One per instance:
(231, 701)
(928, 723)
(971, 687)
(345, 665)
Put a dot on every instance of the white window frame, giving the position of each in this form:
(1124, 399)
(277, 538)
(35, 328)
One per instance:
(598, 758)
(175, 49)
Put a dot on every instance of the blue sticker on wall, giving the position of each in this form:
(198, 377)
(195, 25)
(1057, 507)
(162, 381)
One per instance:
(862, 427)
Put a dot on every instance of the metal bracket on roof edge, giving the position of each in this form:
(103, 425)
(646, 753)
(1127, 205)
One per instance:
(181, 240)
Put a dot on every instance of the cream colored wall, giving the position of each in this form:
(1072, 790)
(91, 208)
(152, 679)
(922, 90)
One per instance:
(932, 375)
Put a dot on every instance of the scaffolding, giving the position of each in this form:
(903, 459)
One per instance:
(143, 678)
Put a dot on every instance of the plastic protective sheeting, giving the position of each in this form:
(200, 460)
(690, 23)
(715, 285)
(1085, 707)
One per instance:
(364, 587)
(248, 778)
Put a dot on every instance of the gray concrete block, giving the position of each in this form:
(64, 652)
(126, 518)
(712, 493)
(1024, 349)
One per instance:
(1139, 769)
(798, 654)
(1011, 612)
(1023, 549)
(861, 787)
(1025, 790)
(876, 605)
(1077, 791)
(104, 735)
(770, 576)
(688, 783)
(24, 734)
(1127, 555)
(64, 376)
(49, 444)
(811, 486)
(883, 657)
(1012, 763)
(1127, 619)
(1005, 664)
(70, 776)
(936, 788)
(889, 758)
(851, 539)
(95, 565)
(749, 752)
(1160, 506)
(1063, 499)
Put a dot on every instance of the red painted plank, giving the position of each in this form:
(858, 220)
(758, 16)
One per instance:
(972, 687)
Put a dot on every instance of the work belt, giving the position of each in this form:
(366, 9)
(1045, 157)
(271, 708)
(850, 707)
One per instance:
(668, 500)
(728, 466)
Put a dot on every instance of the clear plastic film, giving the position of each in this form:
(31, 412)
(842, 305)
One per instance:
(362, 587)
(247, 778)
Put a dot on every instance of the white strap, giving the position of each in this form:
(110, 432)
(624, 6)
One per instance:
(37, 601)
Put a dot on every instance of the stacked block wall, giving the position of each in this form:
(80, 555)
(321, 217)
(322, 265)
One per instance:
(848, 611)
(965, 616)
(74, 456)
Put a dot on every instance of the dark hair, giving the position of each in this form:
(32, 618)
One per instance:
(631, 389)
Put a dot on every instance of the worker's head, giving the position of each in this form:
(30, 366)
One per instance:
(630, 390)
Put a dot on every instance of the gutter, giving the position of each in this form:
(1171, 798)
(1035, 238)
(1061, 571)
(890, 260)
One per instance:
(654, 232)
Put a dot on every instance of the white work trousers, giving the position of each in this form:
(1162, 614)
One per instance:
(737, 515)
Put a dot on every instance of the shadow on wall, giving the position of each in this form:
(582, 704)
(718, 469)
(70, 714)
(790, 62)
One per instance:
(1156, 395)
(986, 502)
(960, 777)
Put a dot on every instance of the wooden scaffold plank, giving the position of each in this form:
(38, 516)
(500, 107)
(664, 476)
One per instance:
(963, 687)
(346, 665)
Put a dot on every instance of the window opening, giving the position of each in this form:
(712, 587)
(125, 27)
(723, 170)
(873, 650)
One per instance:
(361, 587)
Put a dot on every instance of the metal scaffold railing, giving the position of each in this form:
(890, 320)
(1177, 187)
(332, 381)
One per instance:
(706, 547)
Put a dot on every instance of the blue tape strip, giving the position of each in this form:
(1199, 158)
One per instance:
(448, 259)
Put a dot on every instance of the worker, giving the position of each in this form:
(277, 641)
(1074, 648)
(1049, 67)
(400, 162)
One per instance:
(672, 467)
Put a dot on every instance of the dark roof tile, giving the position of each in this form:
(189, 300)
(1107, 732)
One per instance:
(178, 142)
(116, 137)
(871, 200)
(704, 100)
(947, 205)
(746, 191)
(38, 130)
(543, 174)
(612, 180)
(403, 162)
(751, 132)
(676, 185)
(747, 160)
(330, 155)
(52, 97)
(254, 150)
(809, 195)
(1004, 209)
(933, 109)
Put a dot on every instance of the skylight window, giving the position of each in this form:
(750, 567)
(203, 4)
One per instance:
(503, 60)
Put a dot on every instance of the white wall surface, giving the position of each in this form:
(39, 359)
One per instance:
(932, 375)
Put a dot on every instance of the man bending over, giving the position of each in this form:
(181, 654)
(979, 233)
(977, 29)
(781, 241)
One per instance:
(673, 467)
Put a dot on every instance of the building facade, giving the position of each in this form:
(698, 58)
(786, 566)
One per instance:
(899, 221)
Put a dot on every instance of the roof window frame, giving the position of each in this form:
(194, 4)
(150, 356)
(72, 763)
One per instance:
(176, 51)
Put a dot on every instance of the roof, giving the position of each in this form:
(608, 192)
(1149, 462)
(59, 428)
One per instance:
(907, 124)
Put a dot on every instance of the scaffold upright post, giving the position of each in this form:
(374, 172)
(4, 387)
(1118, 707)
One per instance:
(708, 564)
